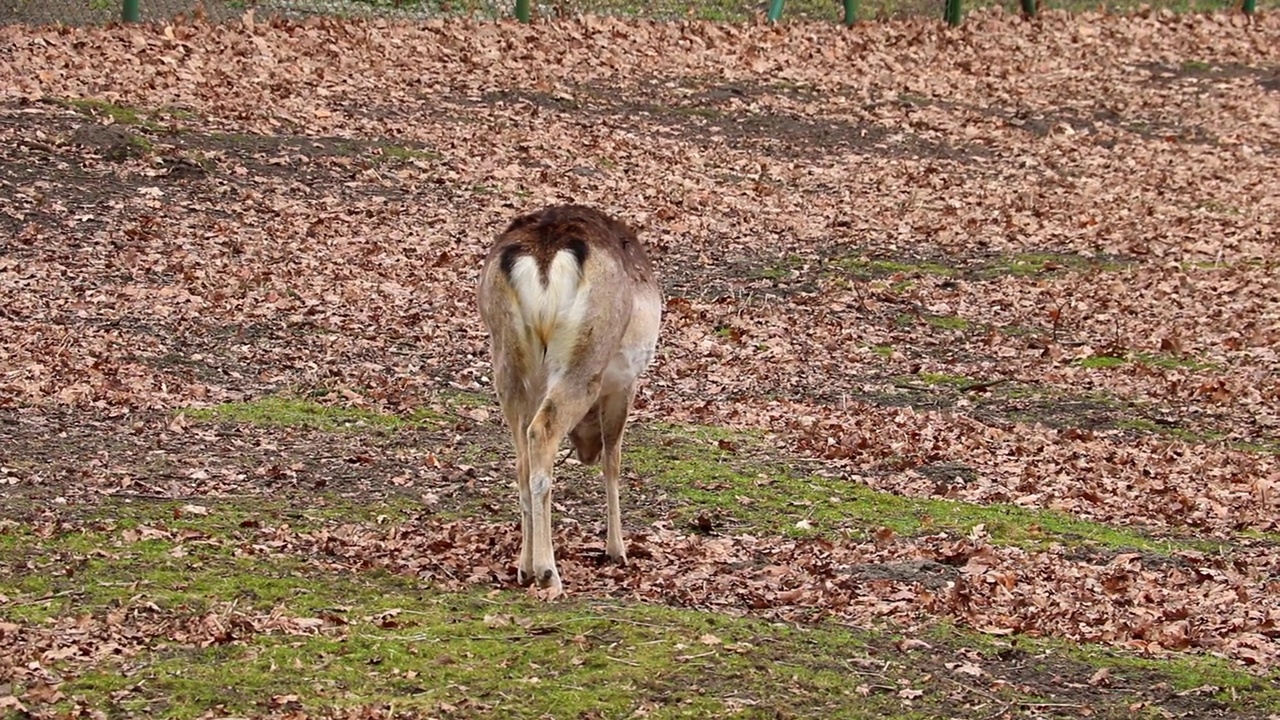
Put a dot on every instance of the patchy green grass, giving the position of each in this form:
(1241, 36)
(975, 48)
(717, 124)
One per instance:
(945, 379)
(932, 380)
(1146, 426)
(467, 398)
(441, 649)
(1158, 360)
(777, 269)
(400, 153)
(202, 627)
(736, 480)
(990, 268)
(1219, 208)
(121, 114)
(1030, 264)
(176, 112)
(370, 637)
(868, 268)
(941, 322)
(284, 411)
(1096, 362)
(1268, 448)
(1217, 678)
(946, 322)
(727, 478)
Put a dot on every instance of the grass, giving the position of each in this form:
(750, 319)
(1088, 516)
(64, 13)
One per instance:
(1173, 362)
(1030, 264)
(941, 322)
(1095, 362)
(282, 411)
(747, 493)
(868, 268)
(944, 379)
(1222, 679)
(714, 10)
(779, 269)
(370, 637)
(404, 154)
(1147, 426)
(1159, 360)
(126, 115)
(120, 114)
(332, 667)
(946, 322)
(1016, 265)
(200, 627)
(738, 478)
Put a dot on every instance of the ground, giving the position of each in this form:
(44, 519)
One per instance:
(965, 404)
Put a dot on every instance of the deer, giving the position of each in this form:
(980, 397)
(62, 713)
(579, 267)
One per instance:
(573, 309)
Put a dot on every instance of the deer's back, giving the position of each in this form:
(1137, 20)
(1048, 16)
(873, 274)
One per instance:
(570, 288)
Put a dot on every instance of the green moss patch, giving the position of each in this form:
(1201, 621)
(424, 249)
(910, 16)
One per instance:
(1029, 264)
(121, 114)
(207, 618)
(867, 268)
(726, 482)
(284, 411)
(1155, 360)
(900, 270)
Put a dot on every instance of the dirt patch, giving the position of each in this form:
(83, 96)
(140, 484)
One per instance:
(84, 459)
(719, 117)
(928, 574)
(87, 164)
(1195, 72)
(54, 168)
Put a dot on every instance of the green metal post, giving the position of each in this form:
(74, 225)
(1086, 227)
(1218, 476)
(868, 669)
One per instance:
(129, 13)
(522, 10)
(1029, 7)
(953, 12)
(1249, 6)
(775, 10)
(850, 12)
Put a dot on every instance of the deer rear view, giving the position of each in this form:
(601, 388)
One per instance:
(573, 309)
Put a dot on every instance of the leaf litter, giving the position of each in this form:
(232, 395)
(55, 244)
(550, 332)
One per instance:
(301, 207)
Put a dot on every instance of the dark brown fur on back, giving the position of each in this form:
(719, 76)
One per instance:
(581, 230)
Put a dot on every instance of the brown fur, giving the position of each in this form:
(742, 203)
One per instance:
(545, 233)
(567, 373)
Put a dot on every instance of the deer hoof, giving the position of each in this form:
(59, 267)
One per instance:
(524, 577)
(548, 579)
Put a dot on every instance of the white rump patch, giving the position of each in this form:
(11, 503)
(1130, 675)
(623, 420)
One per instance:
(552, 312)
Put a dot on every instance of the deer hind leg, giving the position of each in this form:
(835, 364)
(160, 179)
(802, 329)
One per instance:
(524, 567)
(565, 403)
(614, 409)
(513, 396)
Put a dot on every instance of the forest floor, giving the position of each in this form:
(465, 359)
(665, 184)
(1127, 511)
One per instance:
(966, 402)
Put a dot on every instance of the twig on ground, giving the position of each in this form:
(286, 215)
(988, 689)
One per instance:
(983, 385)
(46, 598)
